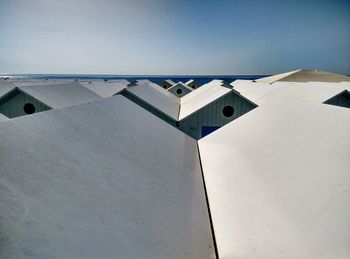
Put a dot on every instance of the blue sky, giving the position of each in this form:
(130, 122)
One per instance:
(173, 37)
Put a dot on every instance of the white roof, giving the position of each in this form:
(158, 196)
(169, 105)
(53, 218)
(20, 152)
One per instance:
(158, 97)
(3, 117)
(310, 91)
(283, 183)
(140, 82)
(305, 76)
(60, 95)
(202, 96)
(25, 82)
(106, 89)
(88, 182)
(179, 108)
(5, 88)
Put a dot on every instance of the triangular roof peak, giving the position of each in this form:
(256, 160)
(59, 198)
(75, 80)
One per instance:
(305, 75)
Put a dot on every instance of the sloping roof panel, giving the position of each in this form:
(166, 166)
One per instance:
(305, 76)
(88, 182)
(61, 95)
(26, 82)
(105, 89)
(158, 97)
(309, 91)
(202, 96)
(3, 118)
(5, 88)
(278, 182)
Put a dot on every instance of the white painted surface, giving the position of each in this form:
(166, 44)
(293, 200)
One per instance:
(158, 97)
(5, 88)
(278, 182)
(104, 179)
(60, 95)
(202, 96)
(262, 93)
(305, 76)
(105, 89)
(3, 118)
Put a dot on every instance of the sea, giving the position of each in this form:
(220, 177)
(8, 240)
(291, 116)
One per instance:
(202, 79)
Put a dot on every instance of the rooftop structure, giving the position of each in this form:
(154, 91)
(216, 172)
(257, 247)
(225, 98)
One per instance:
(167, 83)
(30, 99)
(179, 89)
(278, 181)
(100, 180)
(3, 118)
(305, 76)
(105, 88)
(199, 112)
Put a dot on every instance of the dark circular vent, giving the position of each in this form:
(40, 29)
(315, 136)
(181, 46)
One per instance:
(228, 111)
(29, 108)
(179, 91)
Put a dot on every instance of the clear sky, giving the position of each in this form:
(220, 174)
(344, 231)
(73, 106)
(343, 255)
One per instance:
(173, 36)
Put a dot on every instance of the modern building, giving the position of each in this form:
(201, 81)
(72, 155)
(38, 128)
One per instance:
(167, 83)
(103, 179)
(192, 84)
(197, 113)
(29, 99)
(179, 89)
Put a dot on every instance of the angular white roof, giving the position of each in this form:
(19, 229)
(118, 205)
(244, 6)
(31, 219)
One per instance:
(88, 182)
(25, 82)
(305, 76)
(105, 89)
(179, 108)
(140, 82)
(202, 96)
(3, 118)
(310, 91)
(60, 95)
(278, 178)
(156, 96)
(5, 88)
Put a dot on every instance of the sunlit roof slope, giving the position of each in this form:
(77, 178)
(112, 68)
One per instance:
(156, 96)
(105, 88)
(103, 179)
(305, 76)
(5, 88)
(60, 95)
(202, 96)
(278, 181)
(3, 118)
(317, 92)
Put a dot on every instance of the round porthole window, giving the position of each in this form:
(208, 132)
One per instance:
(228, 111)
(29, 108)
(179, 91)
